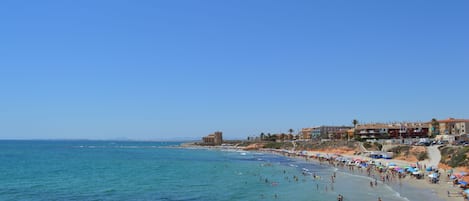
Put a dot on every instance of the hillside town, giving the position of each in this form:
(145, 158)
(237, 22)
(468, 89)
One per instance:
(449, 130)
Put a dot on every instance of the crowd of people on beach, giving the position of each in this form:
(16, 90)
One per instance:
(378, 171)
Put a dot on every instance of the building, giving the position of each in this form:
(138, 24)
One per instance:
(452, 126)
(392, 130)
(306, 133)
(213, 139)
(451, 129)
(325, 131)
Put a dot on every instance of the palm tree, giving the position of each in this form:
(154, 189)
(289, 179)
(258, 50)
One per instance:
(290, 131)
(435, 127)
(262, 136)
(355, 123)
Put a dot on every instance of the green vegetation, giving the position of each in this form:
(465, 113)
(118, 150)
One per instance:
(378, 145)
(422, 156)
(273, 145)
(372, 146)
(401, 150)
(454, 156)
(367, 145)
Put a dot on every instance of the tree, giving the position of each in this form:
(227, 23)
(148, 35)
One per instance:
(435, 127)
(355, 123)
(262, 136)
(282, 137)
(290, 130)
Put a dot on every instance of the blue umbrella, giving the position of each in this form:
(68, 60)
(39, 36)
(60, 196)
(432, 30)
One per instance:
(463, 182)
(466, 191)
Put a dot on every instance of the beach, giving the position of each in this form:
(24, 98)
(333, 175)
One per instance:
(443, 190)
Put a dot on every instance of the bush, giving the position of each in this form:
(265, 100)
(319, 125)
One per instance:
(367, 145)
(273, 145)
(380, 146)
(458, 159)
(400, 150)
(422, 156)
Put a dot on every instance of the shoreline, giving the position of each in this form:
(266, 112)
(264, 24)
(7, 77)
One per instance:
(440, 189)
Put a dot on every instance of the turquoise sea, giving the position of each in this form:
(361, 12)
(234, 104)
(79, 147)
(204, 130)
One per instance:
(116, 170)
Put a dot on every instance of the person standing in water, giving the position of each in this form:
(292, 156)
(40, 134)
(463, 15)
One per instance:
(340, 198)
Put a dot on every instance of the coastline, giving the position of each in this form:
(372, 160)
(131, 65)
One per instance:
(440, 189)
(407, 187)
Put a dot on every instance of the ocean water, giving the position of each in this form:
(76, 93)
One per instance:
(107, 170)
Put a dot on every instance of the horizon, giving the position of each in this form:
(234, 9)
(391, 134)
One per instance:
(153, 70)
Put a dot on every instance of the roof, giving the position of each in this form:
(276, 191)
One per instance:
(453, 120)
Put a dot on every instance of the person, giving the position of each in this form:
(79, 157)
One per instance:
(379, 199)
(340, 198)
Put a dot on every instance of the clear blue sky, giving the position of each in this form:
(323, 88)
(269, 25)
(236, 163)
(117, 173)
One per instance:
(162, 69)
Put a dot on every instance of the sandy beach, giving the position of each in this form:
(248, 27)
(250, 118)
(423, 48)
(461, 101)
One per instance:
(439, 189)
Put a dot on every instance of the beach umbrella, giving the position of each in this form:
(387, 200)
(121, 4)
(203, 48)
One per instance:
(391, 164)
(465, 179)
(400, 171)
(466, 191)
(416, 172)
(462, 182)
(452, 177)
(463, 173)
(413, 165)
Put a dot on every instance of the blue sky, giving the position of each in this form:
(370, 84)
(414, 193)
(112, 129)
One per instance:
(166, 69)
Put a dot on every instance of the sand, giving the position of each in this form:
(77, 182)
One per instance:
(440, 189)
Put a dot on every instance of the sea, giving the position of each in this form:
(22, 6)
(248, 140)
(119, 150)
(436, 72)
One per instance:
(39, 170)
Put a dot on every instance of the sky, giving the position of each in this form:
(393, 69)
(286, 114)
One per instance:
(113, 69)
